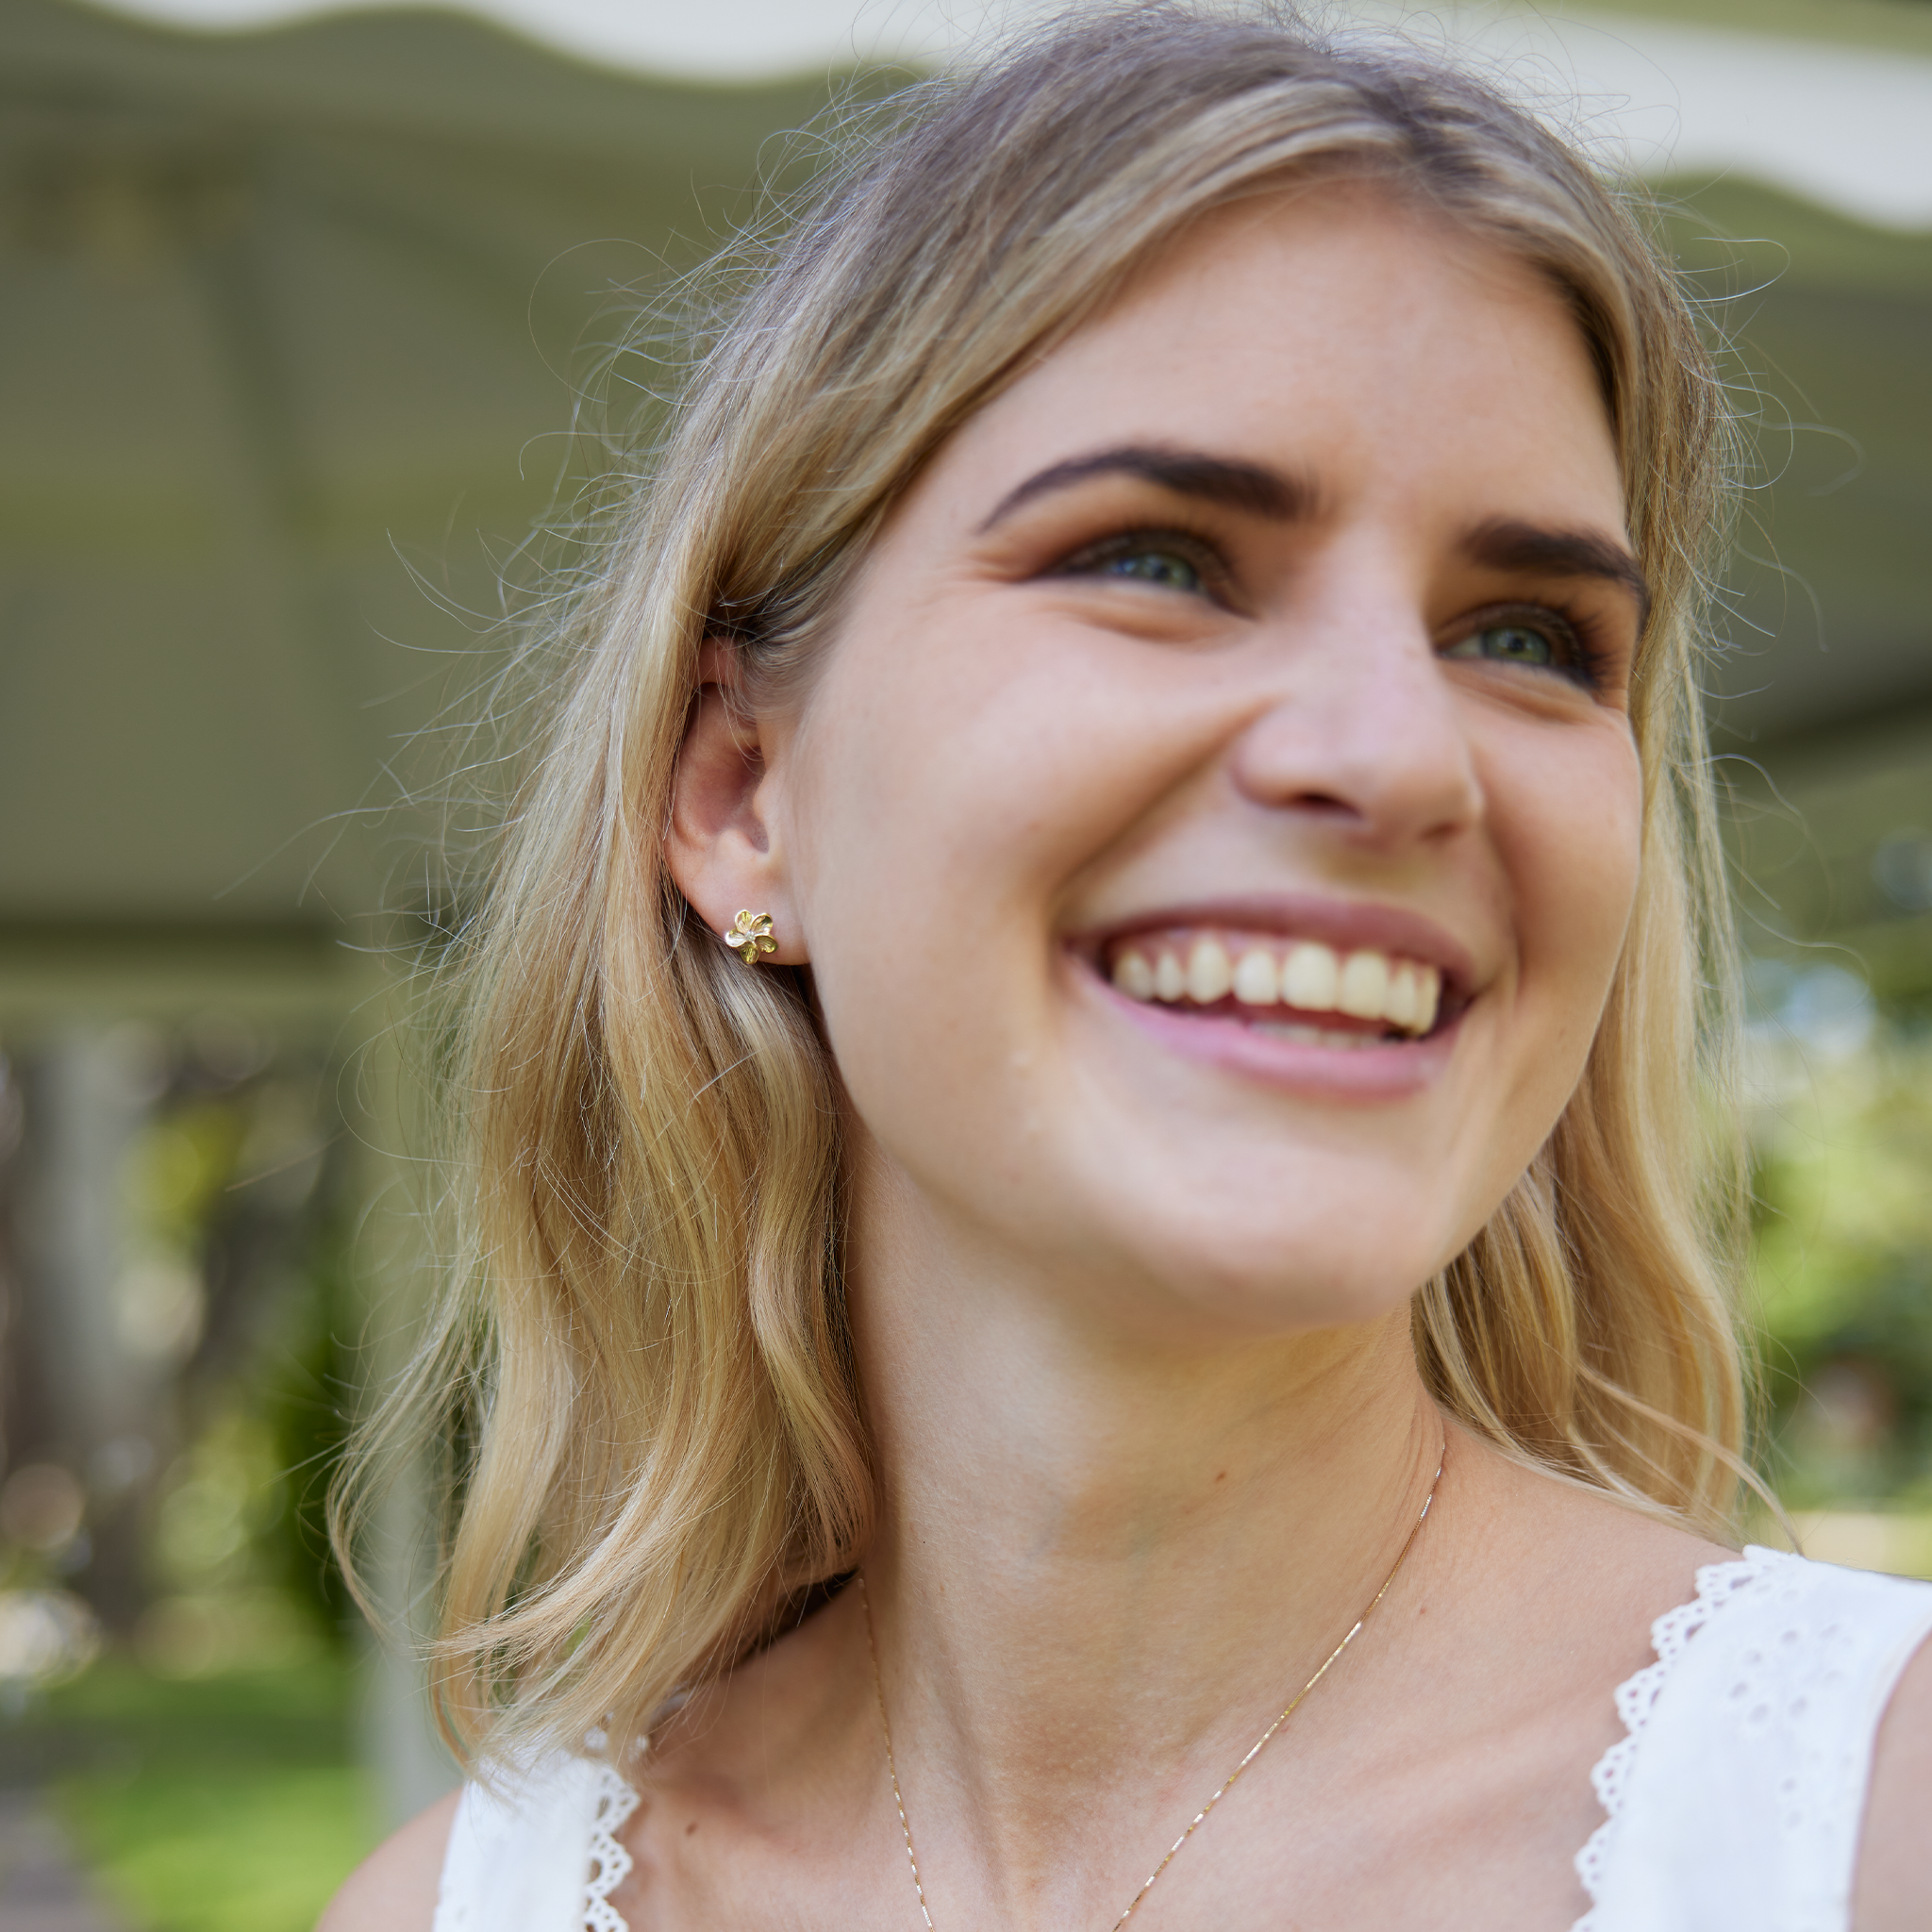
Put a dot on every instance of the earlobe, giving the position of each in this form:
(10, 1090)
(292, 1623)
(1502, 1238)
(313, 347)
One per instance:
(718, 841)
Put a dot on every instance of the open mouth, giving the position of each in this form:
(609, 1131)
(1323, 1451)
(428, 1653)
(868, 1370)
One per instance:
(1297, 990)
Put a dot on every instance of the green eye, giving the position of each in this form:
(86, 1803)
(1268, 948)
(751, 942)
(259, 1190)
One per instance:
(1508, 644)
(1164, 560)
(1167, 569)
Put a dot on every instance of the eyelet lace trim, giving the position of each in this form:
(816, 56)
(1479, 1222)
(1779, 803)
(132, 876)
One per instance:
(610, 1862)
(1780, 1692)
(1758, 1678)
(1636, 1697)
(1717, 1583)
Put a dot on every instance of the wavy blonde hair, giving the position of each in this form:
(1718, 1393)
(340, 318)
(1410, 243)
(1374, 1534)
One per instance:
(641, 1363)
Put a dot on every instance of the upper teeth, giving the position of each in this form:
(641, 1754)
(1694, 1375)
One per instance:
(1303, 974)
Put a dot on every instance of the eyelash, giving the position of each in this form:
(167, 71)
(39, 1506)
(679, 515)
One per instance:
(1579, 632)
(1207, 561)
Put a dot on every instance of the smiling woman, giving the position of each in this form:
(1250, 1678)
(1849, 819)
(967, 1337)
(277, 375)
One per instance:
(1093, 1209)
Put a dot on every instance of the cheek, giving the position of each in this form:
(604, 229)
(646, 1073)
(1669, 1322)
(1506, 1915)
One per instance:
(923, 839)
(951, 785)
(1566, 825)
(963, 772)
(1570, 823)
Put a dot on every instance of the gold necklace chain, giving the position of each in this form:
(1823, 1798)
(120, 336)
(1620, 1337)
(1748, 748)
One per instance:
(1255, 1750)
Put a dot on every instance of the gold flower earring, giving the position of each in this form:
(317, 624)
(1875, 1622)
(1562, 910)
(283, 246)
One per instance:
(751, 935)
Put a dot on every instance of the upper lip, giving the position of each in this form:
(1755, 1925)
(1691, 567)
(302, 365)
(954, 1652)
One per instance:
(1347, 924)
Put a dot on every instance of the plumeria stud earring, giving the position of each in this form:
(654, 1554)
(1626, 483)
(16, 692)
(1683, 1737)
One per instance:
(751, 935)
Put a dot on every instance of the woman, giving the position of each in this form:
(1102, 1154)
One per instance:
(1086, 1139)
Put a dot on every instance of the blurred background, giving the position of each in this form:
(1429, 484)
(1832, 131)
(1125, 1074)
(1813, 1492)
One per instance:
(308, 320)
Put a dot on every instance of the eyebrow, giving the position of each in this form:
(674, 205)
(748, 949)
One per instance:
(1226, 480)
(1504, 543)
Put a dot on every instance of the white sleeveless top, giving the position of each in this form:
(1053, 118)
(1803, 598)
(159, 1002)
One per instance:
(1735, 1800)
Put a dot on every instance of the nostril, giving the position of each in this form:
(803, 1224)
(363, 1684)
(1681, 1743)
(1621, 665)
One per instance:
(1325, 804)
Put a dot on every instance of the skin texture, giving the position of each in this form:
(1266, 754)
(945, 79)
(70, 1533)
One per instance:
(1132, 1319)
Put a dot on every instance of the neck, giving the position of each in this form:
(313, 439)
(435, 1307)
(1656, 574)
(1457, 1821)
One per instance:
(1105, 1560)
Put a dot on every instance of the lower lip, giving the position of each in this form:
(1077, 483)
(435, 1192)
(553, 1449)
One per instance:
(1386, 1072)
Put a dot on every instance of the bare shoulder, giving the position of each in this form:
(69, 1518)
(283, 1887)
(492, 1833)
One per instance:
(1890, 1895)
(393, 1889)
(1593, 1563)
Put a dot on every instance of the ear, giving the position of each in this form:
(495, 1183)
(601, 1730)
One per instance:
(719, 845)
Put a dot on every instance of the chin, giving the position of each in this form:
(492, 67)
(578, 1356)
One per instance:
(1231, 1277)
(1271, 1239)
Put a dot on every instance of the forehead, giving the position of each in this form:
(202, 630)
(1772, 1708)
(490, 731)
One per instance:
(1338, 327)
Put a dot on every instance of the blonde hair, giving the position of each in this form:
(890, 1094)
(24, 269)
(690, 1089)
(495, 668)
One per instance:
(642, 1358)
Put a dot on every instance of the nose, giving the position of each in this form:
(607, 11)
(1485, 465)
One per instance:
(1361, 729)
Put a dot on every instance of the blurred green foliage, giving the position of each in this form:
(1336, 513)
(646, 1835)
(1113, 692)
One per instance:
(242, 1187)
(206, 1766)
(228, 1804)
(197, 1529)
(1842, 1133)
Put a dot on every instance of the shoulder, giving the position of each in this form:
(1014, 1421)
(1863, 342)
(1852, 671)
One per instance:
(394, 1890)
(1890, 1895)
(1600, 1569)
(1749, 1791)
(1781, 1662)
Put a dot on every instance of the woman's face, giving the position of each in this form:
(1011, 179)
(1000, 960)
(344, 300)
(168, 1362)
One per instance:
(1214, 825)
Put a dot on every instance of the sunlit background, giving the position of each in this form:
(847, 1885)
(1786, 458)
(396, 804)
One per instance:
(308, 321)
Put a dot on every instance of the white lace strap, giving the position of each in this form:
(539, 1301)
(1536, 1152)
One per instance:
(1735, 1798)
(540, 1854)
(610, 1861)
